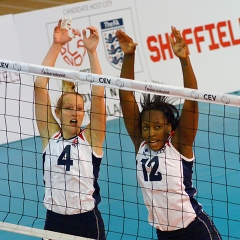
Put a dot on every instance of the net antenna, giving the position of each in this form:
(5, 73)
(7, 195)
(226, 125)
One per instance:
(120, 83)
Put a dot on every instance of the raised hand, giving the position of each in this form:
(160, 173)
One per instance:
(126, 43)
(92, 41)
(61, 35)
(179, 47)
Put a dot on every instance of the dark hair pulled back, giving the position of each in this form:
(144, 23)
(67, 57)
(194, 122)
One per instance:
(163, 104)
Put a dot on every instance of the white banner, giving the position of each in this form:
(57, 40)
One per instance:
(16, 93)
(213, 42)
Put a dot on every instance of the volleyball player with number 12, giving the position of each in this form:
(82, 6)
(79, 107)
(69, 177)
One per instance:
(71, 155)
(163, 143)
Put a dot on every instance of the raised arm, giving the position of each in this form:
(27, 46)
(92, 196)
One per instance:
(95, 131)
(187, 129)
(128, 102)
(47, 125)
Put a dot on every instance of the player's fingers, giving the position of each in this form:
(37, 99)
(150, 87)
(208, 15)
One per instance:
(59, 22)
(76, 33)
(135, 44)
(92, 29)
(84, 33)
(119, 35)
(171, 40)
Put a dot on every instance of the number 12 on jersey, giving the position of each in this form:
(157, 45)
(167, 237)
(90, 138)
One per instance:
(154, 174)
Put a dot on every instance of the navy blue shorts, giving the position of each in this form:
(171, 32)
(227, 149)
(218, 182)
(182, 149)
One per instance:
(89, 224)
(202, 228)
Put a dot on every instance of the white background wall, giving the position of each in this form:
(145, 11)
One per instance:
(207, 24)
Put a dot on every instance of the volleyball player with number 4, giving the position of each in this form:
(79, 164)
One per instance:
(163, 142)
(71, 155)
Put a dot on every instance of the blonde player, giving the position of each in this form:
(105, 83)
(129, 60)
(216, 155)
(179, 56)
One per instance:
(71, 155)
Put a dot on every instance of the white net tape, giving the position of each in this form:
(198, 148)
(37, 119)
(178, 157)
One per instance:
(120, 83)
(37, 232)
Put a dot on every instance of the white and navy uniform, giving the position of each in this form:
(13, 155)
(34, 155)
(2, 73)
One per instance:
(165, 178)
(71, 170)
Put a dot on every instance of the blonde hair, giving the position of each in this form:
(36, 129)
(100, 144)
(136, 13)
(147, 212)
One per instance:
(67, 88)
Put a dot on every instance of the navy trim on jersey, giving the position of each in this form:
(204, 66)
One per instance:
(96, 167)
(189, 189)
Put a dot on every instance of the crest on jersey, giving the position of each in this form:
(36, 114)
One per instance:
(111, 44)
(75, 142)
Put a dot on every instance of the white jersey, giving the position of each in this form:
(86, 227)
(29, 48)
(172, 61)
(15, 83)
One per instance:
(165, 178)
(71, 170)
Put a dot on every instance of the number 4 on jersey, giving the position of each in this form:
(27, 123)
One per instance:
(65, 158)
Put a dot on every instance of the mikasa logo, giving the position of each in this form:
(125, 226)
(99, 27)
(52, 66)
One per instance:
(55, 74)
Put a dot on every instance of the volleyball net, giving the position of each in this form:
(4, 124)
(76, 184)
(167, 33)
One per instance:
(216, 147)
